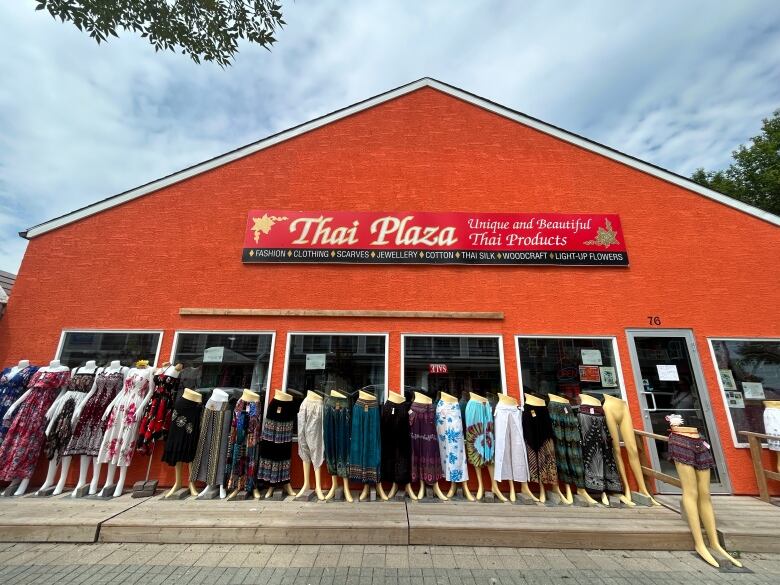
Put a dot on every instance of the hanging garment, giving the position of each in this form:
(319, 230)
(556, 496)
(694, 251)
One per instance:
(11, 388)
(311, 447)
(243, 446)
(479, 433)
(365, 439)
(209, 462)
(692, 451)
(88, 433)
(601, 472)
(182, 442)
(452, 448)
(118, 444)
(276, 442)
(426, 458)
(336, 428)
(568, 444)
(511, 461)
(22, 446)
(61, 413)
(156, 420)
(538, 434)
(772, 427)
(396, 463)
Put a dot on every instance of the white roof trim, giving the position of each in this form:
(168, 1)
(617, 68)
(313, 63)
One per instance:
(3, 296)
(483, 103)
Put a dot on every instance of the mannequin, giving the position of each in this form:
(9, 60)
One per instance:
(580, 490)
(309, 448)
(76, 392)
(534, 401)
(395, 398)
(772, 426)
(195, 397)
(249, 397)
(695, 479)
(156, 420)
(46, 381)
(20, 366)
(217, 402)
(589, 400)
(13, 383)
(524, 489)
(136, 394)
(281, 396)
(365, 455)
(345, 481)
(619, 425)
(108, 383)
(423, 400)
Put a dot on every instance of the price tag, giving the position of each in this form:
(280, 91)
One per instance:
(392, 410)
(278, 410)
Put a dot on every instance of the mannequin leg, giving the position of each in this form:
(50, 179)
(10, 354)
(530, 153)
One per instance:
(256, 493)
(269, 492)
(494, 484)
(421, 491)
(452, 490)
(524, 489)
(22, 489)
(318, 483)
(627, 431)
(305, 486)
(393, 491)
(410, 492)
(365, 493)
(120, 485)
(93, 485)
(690, 503)
(233, 495)
(222, 492)
(569, 497)
(542, 494)
(334, 483)
(614, 433)
(193, 489)
(347, 492)
(467, 492)
(84, 462)
(480, 485)
(556, 489)
(583, 493)
(708, 514)
(177, 483)
(110, 475)
(512, 493)
(380, 490)
(605, 499)
(50, 475)
(288, 489)
(64, 468)
(441, 496)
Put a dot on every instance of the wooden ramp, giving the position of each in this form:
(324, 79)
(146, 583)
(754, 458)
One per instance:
(58, 518)
(745, 523)
(468, 524)
(251, 521)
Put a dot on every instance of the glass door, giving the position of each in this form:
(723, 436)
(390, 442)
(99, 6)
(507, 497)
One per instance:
(669, 380)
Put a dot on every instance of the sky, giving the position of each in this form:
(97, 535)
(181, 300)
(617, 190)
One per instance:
(677, 83)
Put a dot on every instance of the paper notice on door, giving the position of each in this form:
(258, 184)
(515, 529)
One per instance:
(591, 357)
(735, 400)
(753, 390)
(315, 361)
(668, 373)
(727, 379)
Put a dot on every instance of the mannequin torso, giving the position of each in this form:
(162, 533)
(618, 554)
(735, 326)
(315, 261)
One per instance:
(589, 400)
(556, 398)
(365, 395)
(477, 397)
(443, 396)
(337, 394)
(249, 396)
(313, 396)
(192, 395)
(532, 400)
(17, 368)
(395, 397)
(506, 399)
(282, 396)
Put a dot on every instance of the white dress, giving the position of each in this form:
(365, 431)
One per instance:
(452, 445)
(511, 460)
(118, 443)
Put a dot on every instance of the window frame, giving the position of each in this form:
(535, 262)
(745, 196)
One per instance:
(501, 360)
(613, 338)
(734, 437)
(157, 353)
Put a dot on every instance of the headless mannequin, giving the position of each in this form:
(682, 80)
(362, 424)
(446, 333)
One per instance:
(284, 397)
(531, 400)
(396, 398)
(20, 366)
(335, 479)
(247, 396)
(192, 396)
(697, 505)
(524, 489)
(774, 404)
(54, 366)
(364, 495)
(619, 419)
(114, 366)
(307, 465)
(490, 466)
(582, 492)
(143, 366)
(219, 396)
(89, 367)
(593, 401)
(423, 399)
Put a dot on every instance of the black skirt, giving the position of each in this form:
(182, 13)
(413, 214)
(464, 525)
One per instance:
(276, 442)
(182, 442)
(396, 443)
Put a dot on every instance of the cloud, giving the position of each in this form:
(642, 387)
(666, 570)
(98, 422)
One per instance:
(78, 122)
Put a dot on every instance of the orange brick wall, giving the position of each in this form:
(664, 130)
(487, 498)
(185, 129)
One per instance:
(696, 263)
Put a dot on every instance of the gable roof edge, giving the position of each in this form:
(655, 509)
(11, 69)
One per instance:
(336, 115)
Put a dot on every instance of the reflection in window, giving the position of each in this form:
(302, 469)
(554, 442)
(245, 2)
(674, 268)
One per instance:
(749, 372)
(105, 347)
(568, 366)
(473, 364)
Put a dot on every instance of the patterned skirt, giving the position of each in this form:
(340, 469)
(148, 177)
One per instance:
(182, 442)
(568, 444)
(538, 435)
(601, 472)
(209, 463)
(479, 433)
(452, 445)
(365, 452)
(276, 443)
(58, 437)
(336, 427)
(426, 461)
(690, 451)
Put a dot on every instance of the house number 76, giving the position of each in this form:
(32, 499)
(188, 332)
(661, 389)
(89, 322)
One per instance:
(654, 320)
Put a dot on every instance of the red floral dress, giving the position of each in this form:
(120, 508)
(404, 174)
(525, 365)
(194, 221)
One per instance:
(22, 445)
(156, 421)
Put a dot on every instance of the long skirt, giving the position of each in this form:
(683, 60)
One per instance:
(568, 444)
(243, 446)
(396, 443)
(538, 434)
(452, 447)
(184, 432)
(365, 451)
(426, 460)
(336, 428)
(479, 433)
(601, 472)
(511, 460)
(209, 462)
(276, 442)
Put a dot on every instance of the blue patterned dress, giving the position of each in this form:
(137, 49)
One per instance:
(11, 388)
(452, 450)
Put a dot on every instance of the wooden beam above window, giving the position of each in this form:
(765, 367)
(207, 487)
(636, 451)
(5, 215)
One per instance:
(496, 315)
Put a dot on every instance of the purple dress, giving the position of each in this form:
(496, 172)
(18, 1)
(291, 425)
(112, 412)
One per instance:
(426, 461)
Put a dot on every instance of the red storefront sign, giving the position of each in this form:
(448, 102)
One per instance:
(582, 239)
(437, 368)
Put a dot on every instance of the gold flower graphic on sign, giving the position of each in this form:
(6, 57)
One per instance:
(264, 224)
(604, 237)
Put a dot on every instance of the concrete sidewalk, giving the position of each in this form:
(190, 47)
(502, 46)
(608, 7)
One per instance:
(153, 564)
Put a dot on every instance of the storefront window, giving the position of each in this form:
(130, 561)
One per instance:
(107, 346)
(455, 365)
(568, 366)
(347, 363)
(749, 374)
(230, 361)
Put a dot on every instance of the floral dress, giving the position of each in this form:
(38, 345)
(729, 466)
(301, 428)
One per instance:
(61, 413)
(452, 448)
(118, 443)
(20, 450)
(88, 433)
(11, 388)
(156, 421)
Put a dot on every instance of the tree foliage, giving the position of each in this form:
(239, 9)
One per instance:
(206, 30)
(754, 176)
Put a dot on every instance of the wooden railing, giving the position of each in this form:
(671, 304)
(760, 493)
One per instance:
(644, 459)
(762, 474)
